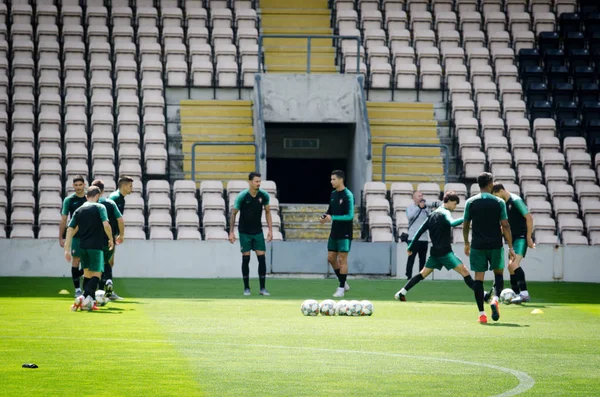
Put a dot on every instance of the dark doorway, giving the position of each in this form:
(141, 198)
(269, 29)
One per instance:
(303, 181)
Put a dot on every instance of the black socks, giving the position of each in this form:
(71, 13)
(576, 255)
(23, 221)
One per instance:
(478, 291)
(246, 271)
(413, 281)
(469, 281)
(337, 273)
(498, 283)
(342, 279)
(76, 274)
(90, 287)
(262, 270)
(520, 275)
(514, 284)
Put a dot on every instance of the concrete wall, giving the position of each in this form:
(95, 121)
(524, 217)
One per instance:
(359, 164)
(188, 259)
(309, 98)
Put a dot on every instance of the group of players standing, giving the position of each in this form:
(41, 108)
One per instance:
(95, 227)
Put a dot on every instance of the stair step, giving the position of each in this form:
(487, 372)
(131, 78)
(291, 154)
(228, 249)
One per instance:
(280, 58)
(313, 234)
(293, 4)
(271, 49)
(400, 105)
(186, 146)
(273, 13)
(192, 120)
(403, 168)
(299, 42)
(214, 166)
(307, 217)
(312, 30)
(298, 68)
(401, 123)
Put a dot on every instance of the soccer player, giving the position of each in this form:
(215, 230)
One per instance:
(250, 203)
(439, 224)
(70, 204)
(91, 221)
(521, 228)
(488, 215)
(115, 219)
(341, 215)
(118, 196)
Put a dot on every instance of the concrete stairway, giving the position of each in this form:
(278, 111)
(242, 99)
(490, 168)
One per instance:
(412, 123)
(297, 17)
(301, 222)
(217, 121)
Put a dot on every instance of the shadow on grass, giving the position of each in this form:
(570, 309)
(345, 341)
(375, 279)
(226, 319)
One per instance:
(295, 289)
(510, 325)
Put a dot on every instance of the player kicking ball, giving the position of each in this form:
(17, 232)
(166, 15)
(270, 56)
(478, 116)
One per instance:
(488, 215)
(439, 224)
(91, 221)
(250, 203)
(521, 228)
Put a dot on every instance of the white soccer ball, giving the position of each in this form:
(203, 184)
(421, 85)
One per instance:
(341, 308)
(327, 307)
(101, 298)
(507, 295)
(354, 308)
(367, 308)
(310, 307)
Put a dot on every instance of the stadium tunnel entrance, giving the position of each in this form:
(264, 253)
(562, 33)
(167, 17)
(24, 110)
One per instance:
(301, 156)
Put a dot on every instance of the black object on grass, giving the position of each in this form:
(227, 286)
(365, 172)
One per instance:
(29, 366)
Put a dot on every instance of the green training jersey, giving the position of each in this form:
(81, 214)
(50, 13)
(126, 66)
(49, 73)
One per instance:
(250, 208)
(341, 209)
(485, 211)
(89, 217)
(113, 214)
(119, 200)
(439, 224)
(516, 209)
(70, 204)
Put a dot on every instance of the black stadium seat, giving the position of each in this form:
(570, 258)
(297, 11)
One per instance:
(579, 58)
(532, 74)
(566, 110)
(558, 74)
(537, 92)
(540, 110)
(554, 57)
(569, 22)
(574, 41)
(563, 92)
(528, 57)
(588, 93)
(583, 75)
(548, 41)
(570, 127)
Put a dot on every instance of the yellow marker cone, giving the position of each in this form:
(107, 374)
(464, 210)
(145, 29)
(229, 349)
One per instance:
(63, 292)
(537, 311)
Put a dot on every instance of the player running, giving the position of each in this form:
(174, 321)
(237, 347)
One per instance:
(118, 196)
(91, 221)
(115, 219)
(487, 212)
(440, 224)
(70, 204)
(341, 215)
(521, 228)
(250, 203)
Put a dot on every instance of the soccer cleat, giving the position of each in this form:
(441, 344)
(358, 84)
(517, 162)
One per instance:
(495, 309)
(94, 307)
(339, 293)
(247, 292)
(346, 287)
(115, 297)
(517, 300)
(108, 289)
(78, 293)
(482, 319)
(77, 304)
(399, 296)
(87, 304)
(487, 296)
(525, 298)
(263, 291)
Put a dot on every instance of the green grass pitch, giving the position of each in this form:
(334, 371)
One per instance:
(203, 338)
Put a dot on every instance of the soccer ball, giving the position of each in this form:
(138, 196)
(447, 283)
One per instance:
(507, 295)
(310, 307)
(354, 308)
(101, 299)
(327, 308)
(367, 308)
(341, 308)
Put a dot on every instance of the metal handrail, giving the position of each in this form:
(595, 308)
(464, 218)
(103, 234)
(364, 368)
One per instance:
(196, 144)
(309, 37)
(384, 150)
(261, 119)
(365, 114)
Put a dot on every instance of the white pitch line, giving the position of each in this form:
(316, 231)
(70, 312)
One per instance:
(526, 382)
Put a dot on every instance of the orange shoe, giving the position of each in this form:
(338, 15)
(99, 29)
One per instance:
(495, 306)
(482, 319)
(94, 308)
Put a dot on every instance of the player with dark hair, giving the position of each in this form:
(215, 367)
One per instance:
(490, 221)
(125, 187)
(250, 203)
(115, 219)
(341, 215)
(70, 204)
(521, 228)
(440, 224)
(91, 221)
